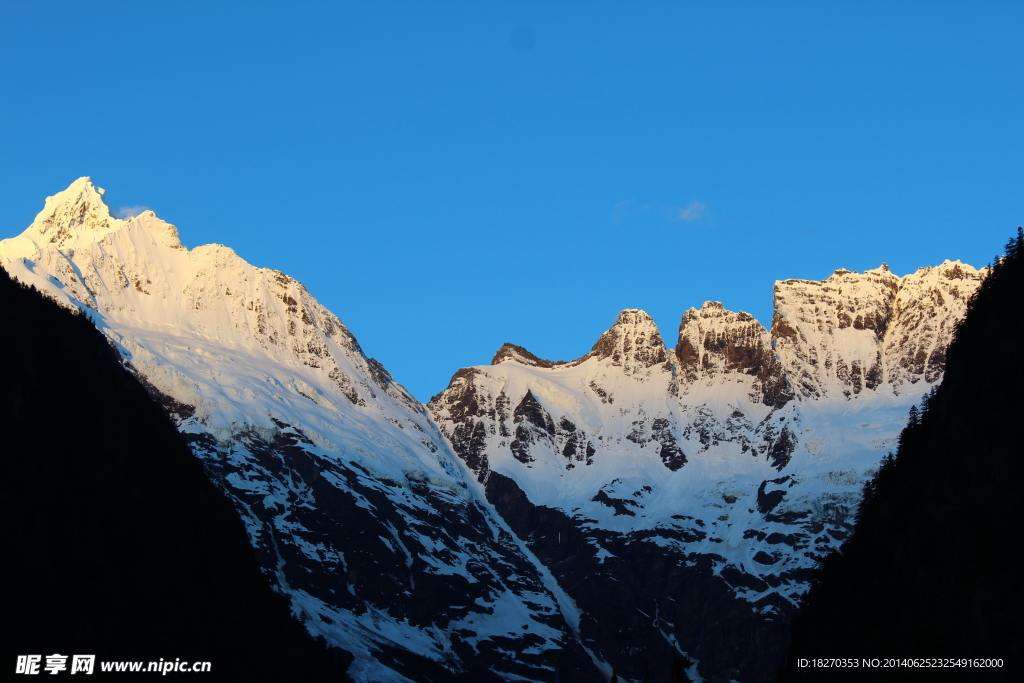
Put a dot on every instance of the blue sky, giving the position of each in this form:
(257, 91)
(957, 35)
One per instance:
(450, 176)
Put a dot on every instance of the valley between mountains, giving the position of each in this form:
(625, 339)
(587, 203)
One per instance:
(644, 510)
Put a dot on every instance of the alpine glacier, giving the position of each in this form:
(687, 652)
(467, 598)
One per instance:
(640, 507)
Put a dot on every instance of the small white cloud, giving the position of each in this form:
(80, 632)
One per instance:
(694, 211)
(630, 209)
(126, 212)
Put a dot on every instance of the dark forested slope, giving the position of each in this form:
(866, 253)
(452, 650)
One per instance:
(118, 544)
(931, 570)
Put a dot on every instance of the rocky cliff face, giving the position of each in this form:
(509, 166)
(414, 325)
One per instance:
(856, 332)
(718, 346)
(356, 506)
(682, 498)
(927, 307)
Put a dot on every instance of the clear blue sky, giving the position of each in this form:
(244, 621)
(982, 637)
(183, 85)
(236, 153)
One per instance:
(450, 176)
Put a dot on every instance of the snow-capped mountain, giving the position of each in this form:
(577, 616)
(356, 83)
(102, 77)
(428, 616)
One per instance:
(640, 507)
(740, 456)
(353, 500)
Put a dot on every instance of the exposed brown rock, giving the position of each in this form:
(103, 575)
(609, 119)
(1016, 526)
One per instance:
(633, 342)
(513, 352)
(714, 341)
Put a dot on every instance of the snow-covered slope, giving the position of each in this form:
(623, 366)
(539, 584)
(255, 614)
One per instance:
(740, 457)
(356, 505)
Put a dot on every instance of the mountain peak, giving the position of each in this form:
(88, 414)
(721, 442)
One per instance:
(715, 342)
(956, 270)
(516, 353)
(78, 216)
(80, 193)
(715, 309)
(880, 270)
(77, 210)
(632, 342)
(634, 316)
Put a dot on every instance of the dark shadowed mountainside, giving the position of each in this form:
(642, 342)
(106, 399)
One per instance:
(118, 544)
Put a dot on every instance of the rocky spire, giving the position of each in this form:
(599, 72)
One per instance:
(633, 342)
(78, 209)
